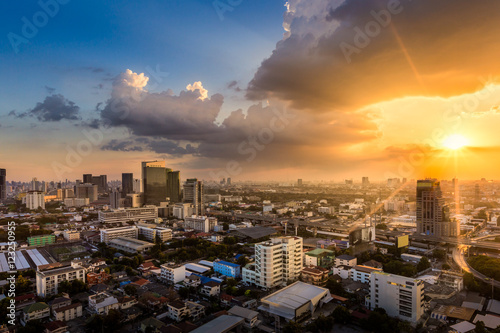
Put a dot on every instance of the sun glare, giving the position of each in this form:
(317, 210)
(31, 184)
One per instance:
(455, 141)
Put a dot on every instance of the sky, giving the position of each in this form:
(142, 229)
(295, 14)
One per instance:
(252, 90)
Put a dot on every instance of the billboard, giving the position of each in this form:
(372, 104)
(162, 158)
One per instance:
(362, 235)
(402, 241)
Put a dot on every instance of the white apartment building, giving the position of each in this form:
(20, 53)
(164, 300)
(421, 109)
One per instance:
(200, 223)
(277, 262)
(165, 234)
(182, 210)
(76, 202)
(71, 235)
(68, 312)
(35, 200)
(345, 260)
(400, 296)
(101, 303)
(47, 281)
(129, 214)
(173, 273)
(109, 234)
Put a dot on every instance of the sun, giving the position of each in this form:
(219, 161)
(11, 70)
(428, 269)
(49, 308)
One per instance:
(455, 141)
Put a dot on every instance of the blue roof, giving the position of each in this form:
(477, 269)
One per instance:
(222, 262)
(237, 256)
(205, 279)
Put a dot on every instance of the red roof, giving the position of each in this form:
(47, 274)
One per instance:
(141, 282)
(24, 297)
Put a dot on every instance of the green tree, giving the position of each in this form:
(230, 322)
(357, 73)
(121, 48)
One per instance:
(480, 327)
(423, 264)
(130, 290)
(335, 287)
(292, 327)
(439, 254)
(341, 315)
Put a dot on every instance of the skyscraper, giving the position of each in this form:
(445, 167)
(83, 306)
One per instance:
(174, 186)
(3, 184)
(365, 181)
(432, 214)
(127, 183)
(87, 179)
(299, 182)
(154, 182)
(193, 193)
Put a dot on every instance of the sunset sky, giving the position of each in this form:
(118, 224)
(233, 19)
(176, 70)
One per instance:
(263, 90)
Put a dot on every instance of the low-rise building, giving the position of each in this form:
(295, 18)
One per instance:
(172, 273)
(96, 278)
(109, 234)
(346, 260)
(47, 281)
(250, 316)
(41, 240)
(68, 312)
(71, 235)
(227, 268)
(319, 257)
(101, 303)
(211, 288)
(35, 311)
(131, 245)
(315, 275)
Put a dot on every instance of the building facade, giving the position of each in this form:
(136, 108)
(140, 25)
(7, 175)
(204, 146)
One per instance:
(129, 214)
(47, 281)
(400, 296)
(109, 234)
(228, 269)
(35, 200)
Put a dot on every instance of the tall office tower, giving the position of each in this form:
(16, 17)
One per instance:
(229, 182)
(114, 199)
(87, 191)
(432, 214)
(154, 182)
(277, 262)
(127, 183)
(35, 184)
(174, 186)
(101, 182)
(299, 182)
(365, 181)
(3, 184)
(35, 200)
(193, 193)
(137, 186)
(87, 179)
(477, 193)
(400, 296)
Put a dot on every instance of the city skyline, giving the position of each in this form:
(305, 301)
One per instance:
(224, 93)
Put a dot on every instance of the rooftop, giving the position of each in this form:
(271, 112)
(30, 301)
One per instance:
(36, 307)
(319, 252)
(345, 257)
(230, 264)
(243, 312)
(220, 324)
(295, 295)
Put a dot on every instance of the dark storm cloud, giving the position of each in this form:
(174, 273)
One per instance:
(54, 108)
(421, 48)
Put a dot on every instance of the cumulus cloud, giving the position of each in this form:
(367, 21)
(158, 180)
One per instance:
(54, 108)
(426, 48)
(197, 86)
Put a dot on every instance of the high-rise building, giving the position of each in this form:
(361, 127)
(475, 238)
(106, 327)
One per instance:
(193, 193)
(137, 186)
(174, 186)
(154, 182)
(101, 182)
(87, 179)
(432, 214)
(477, 192)
(35, 184)
(277, 262)
(229, 182)
(127, 183)
(365, 181)
(400, 296)
(114, 199)
(35, 200)
(87, 191)
(299, 182)
(3, 184)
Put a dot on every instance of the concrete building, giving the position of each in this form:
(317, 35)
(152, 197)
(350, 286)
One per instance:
(277, 262)
(154, 182)
(109, 234)
(174, 186)
(102, 302)
(250, 316)
(296, 302)
(69, 312)
(35, 311)
(129, 214)
(71, 235)
(134, 200)
(152, 232)
(200, 223)
(433, 218)
(88, 191)
(173, 273)
(315, 275)
(47, 281)
(319, 257)
(3, 184)
(41, 240)
(228, 269)
(127, 183)
(35, 200)
(193, 194)
(76, 202)
(182, 210)
(346, 260)
(130, 245)
(400, 296)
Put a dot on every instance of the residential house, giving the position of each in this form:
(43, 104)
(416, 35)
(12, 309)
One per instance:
(69, 312)
(211, 288)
